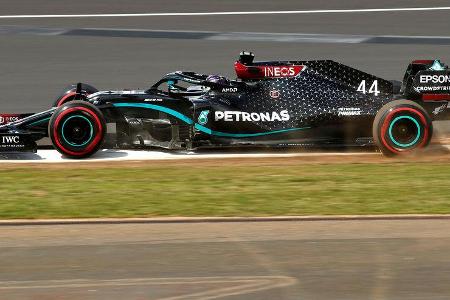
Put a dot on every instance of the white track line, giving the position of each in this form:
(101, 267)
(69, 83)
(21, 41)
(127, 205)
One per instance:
(52, 156)
(227, 13)
(242, 285)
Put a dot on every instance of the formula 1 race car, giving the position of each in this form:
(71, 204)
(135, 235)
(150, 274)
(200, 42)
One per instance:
(275, 103)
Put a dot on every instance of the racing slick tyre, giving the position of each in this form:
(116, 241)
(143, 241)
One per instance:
(77, 129)
(400, 127)
(69, 94)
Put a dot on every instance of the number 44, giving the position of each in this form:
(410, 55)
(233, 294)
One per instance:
(372, 90)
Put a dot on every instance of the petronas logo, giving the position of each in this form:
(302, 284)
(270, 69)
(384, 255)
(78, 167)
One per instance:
(203, 117)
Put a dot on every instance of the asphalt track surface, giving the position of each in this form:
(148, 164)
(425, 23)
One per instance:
(316, 260)
(34, 68)
(388, 259)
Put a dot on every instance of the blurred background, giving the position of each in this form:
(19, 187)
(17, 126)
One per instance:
(43, 55)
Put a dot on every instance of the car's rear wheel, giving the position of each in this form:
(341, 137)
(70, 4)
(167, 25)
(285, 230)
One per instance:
(77, 129)
(402, 126)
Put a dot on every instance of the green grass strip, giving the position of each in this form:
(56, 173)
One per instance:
(191, 190)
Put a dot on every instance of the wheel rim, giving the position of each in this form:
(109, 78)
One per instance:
(394, 143)
(77, 131)
(404, 131)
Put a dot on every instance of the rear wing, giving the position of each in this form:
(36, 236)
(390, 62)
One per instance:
(427, 80)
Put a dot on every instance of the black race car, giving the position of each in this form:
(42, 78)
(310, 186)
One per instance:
(274, 103)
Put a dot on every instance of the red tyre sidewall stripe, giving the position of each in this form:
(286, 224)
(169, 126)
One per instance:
(64, 98)
(387, 121)
(67, 96)
(93, 144)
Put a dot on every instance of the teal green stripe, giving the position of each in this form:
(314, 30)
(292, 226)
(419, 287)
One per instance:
(159, 108)
(243, 135)
(39, 122)
(200, 127)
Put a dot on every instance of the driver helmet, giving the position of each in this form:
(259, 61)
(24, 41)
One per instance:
(217, 79)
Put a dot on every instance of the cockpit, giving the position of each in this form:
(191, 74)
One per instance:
(185, 84)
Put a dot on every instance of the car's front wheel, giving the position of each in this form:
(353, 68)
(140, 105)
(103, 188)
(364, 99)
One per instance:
(77, 129)
(70, 94)
(402, 126)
